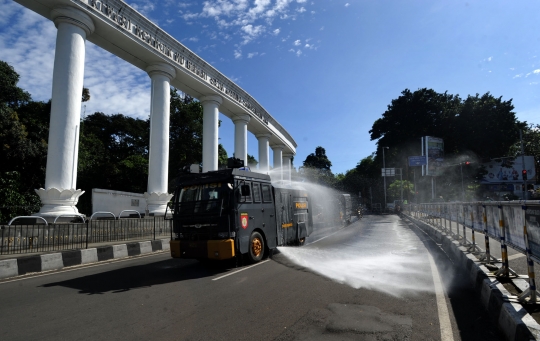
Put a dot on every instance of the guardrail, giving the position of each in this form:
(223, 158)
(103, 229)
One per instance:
(513, 224)
(43, 237)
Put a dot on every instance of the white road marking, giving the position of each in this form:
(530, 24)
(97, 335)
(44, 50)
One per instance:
(237, 271)
(444, 316)
(83, 266)
(516, 256)
(329, 235)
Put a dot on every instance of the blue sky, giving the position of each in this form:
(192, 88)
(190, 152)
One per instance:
(326, 70)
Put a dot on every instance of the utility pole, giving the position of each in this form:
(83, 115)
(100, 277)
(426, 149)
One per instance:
(415, 190)
(524, 189)
(384, 175)
(462, 188)
(401, 180)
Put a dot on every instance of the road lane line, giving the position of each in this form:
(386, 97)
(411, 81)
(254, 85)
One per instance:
(444, 316)
(516, 256)
(344, 227)
(237, 271)
(83, 266)
(232, 273)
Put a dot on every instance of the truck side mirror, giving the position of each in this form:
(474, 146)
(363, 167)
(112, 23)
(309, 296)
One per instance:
(244, 189)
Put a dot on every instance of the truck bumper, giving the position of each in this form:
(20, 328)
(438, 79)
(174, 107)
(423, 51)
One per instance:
(211, 249)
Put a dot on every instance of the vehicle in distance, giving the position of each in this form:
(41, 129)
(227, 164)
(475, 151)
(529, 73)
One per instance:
(225, 213)
(391, 206)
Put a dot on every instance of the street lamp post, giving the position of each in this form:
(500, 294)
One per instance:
(462, 190)
(384, 174)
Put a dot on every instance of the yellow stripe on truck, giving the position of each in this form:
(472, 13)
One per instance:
(175, 248)
(220, 249)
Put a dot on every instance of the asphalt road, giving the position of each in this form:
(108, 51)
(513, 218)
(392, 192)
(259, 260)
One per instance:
(373, 280)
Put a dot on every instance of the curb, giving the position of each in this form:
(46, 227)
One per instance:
(513, 320)
(60, 260)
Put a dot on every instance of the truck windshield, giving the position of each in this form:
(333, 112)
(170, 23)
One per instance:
(206, 198)
(203, 192)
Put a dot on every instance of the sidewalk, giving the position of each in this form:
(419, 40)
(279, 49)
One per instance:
(517, 321)
(19, 264)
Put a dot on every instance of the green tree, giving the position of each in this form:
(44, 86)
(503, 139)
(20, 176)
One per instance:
(14, 199)
(222, 157)
(23, 146)
(316, 168)
(395, 189)
(487, 126)
(113, 153)
(185, 132)
(318, 160)
(10, 93)
(252, 162)
(477, 128)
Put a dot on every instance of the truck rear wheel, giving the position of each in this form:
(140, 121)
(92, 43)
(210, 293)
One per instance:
(256, 247)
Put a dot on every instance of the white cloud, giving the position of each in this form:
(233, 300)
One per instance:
(251, 32)
(236, 15)
(115, 85)
(237, 54)
(322, 28)
(194, 39)
(347, 4)
(252, 54)
(512, 68)
(276, 31)
(518, 75)
(537, 71)
(298, 53)
(190, 16)
(297, 43)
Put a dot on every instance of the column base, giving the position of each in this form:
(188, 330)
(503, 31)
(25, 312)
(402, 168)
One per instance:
(58, 202)
(157, 203)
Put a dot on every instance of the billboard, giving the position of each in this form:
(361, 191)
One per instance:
(417, 161)
(433, 149)
(509, 170)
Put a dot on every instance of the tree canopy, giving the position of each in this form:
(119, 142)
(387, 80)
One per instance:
(318, 160)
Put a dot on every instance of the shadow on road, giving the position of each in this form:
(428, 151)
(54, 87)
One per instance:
(146, 275)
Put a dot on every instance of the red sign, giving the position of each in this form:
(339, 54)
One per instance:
(244, 220)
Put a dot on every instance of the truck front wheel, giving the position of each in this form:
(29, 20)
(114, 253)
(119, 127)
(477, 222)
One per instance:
(256, 247)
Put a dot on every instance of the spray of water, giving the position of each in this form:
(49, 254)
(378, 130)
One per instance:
(383, 257)
(389, 260)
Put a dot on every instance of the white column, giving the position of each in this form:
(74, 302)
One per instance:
(278, 161)
(287, 166)
(240, 137)
(210, 106)
(157, 194)
(60, 194)
(264, 157)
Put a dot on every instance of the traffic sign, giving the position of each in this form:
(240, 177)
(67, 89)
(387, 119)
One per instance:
(388, 172)
(417, 161)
